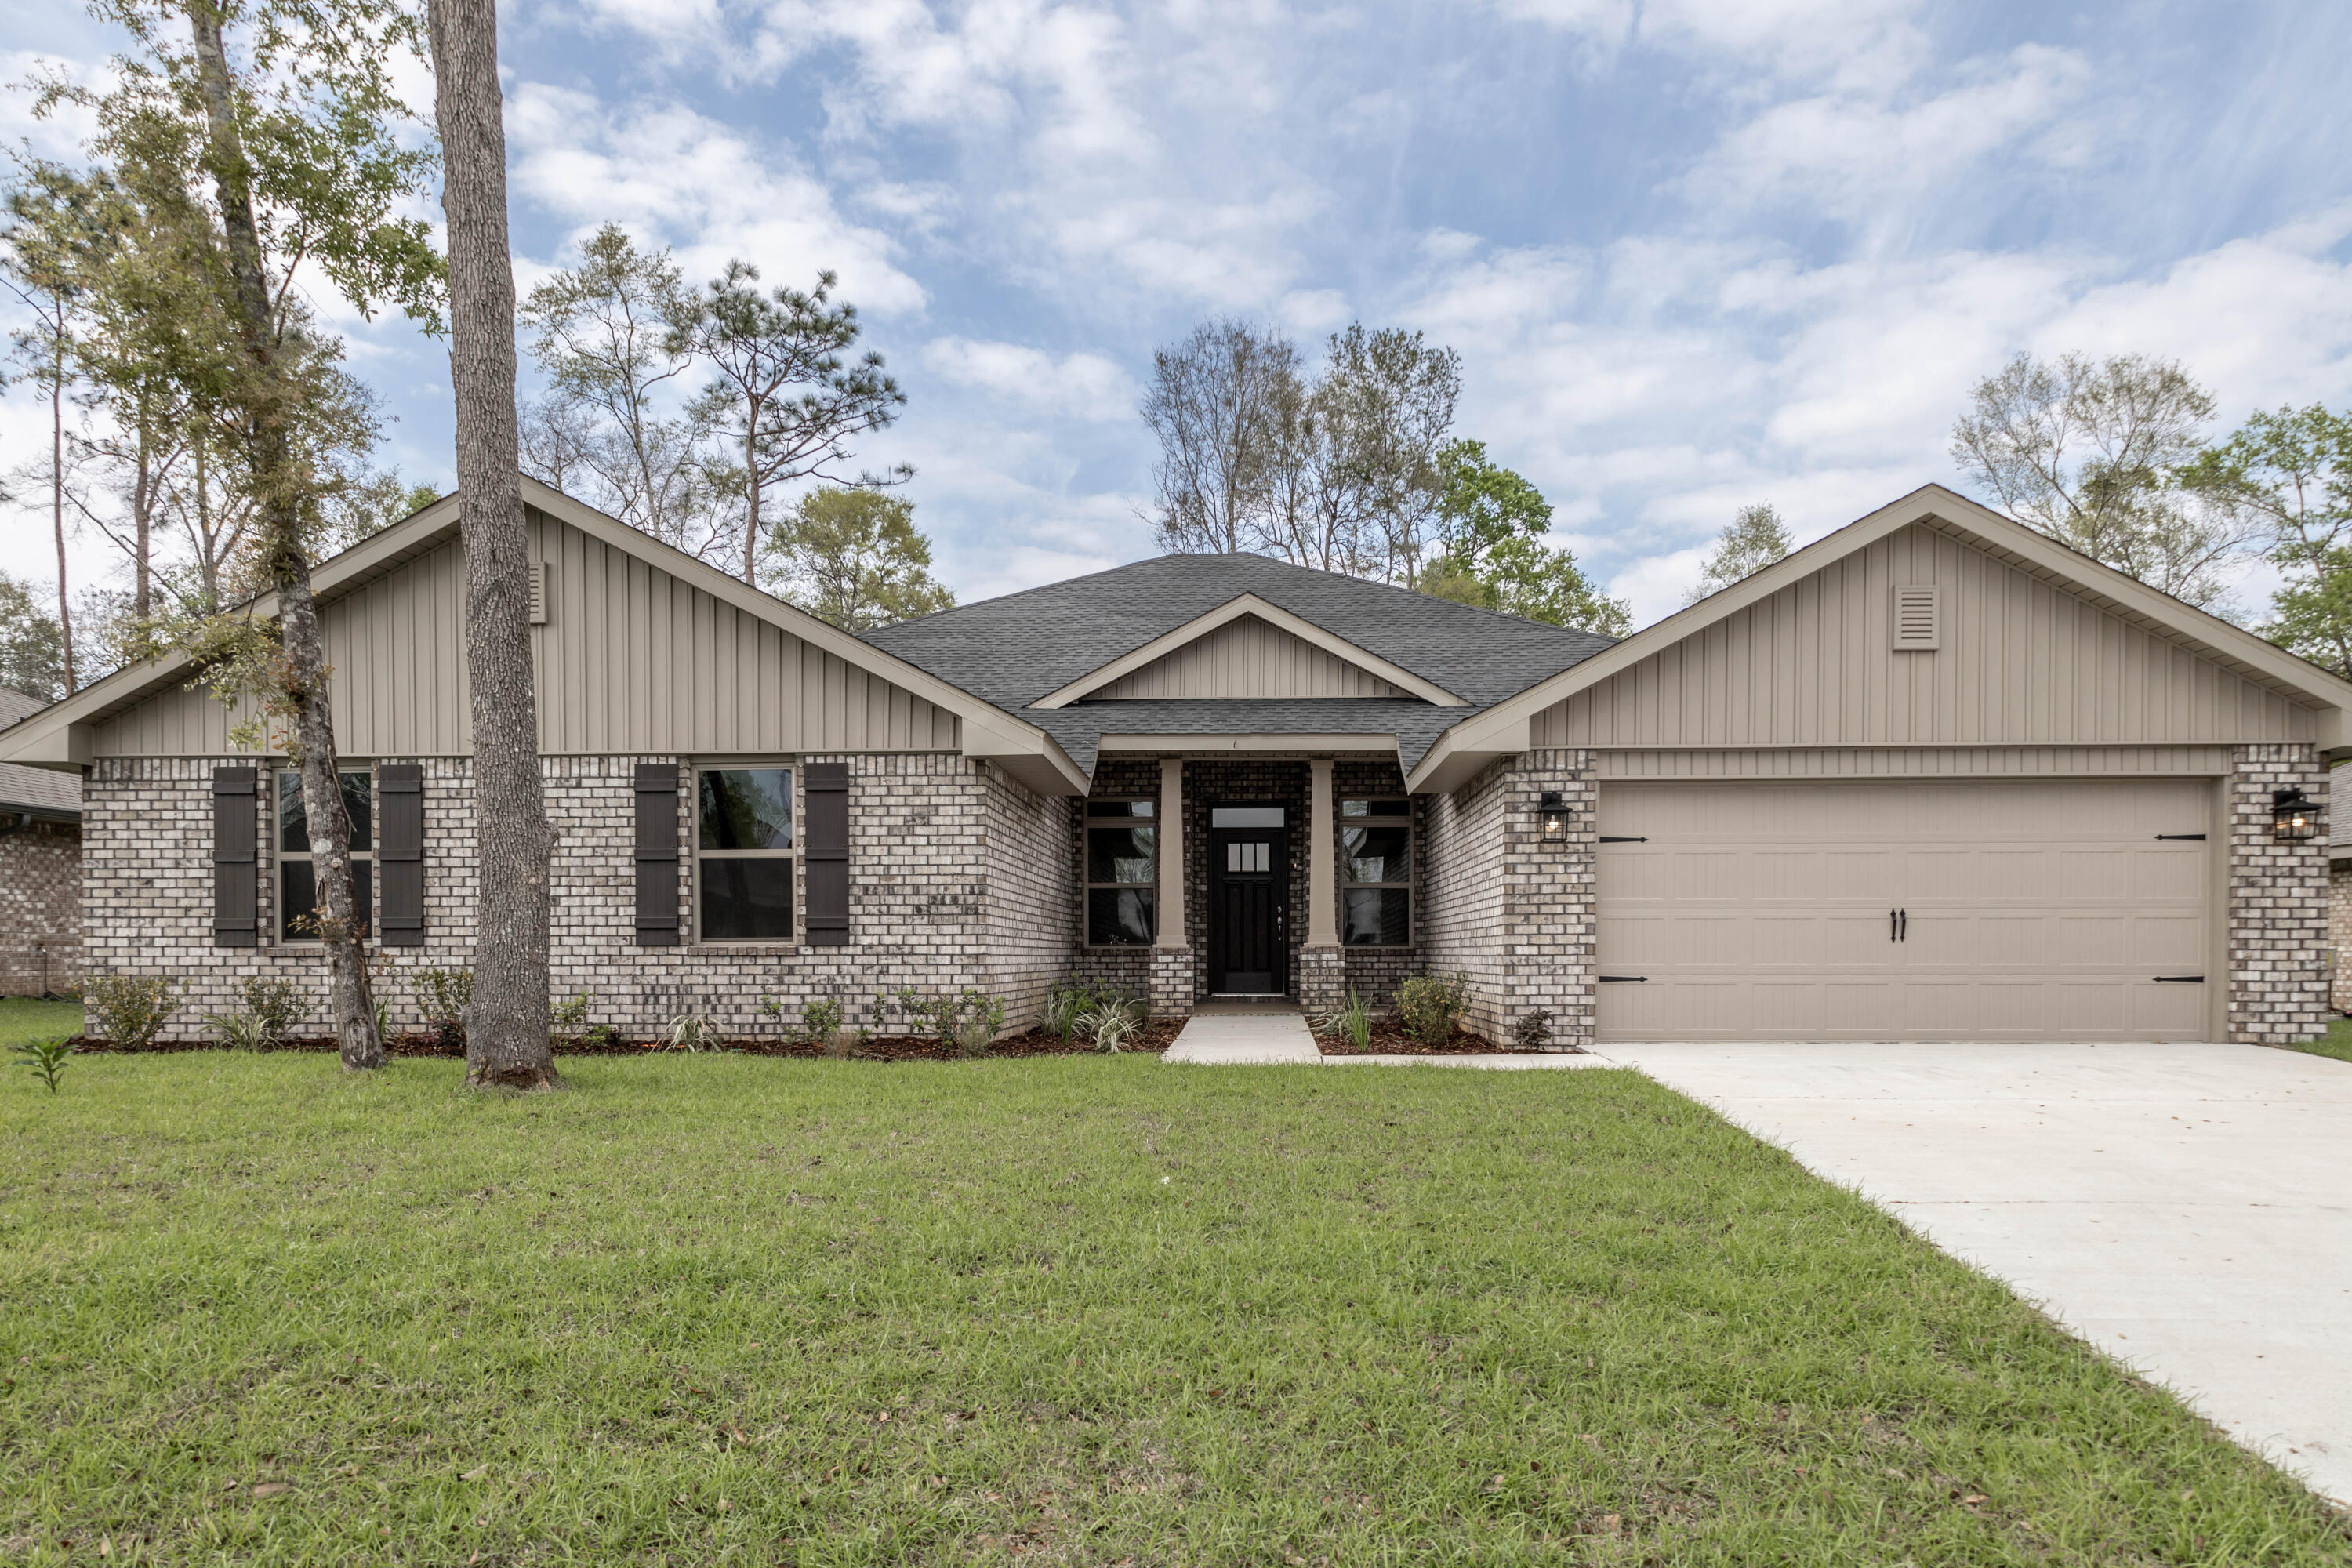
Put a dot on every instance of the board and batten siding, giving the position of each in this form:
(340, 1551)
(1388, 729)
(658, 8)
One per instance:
(2022, 663)
(1248, 658)
(631, 660)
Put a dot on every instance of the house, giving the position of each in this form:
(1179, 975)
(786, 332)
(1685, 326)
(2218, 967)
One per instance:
(40, 870)
(1931, 777)
(2339, 912)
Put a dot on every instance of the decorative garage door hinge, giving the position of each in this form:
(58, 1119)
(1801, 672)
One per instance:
(1612, 838)
(2197, 837)
(2180, 980)
(1625, 980)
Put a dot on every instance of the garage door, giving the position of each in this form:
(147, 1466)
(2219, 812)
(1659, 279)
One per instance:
(2074, 910)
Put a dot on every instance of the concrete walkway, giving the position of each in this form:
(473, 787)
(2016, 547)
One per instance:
(2185, 1208)
(1241, 1036)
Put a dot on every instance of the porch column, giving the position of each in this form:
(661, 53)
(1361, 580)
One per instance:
(1322, 967)
(1171, 954)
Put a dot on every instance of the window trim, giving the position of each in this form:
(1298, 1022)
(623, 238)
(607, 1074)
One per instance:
(794, 785)
(1413, 899)
(279, 855)
(1087, 883)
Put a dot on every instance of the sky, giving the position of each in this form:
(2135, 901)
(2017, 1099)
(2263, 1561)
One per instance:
(1694, 253)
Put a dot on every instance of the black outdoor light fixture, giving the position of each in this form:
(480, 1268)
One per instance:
(1555, 819)
(2293, 817)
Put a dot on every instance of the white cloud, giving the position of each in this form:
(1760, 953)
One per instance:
(1077, 386)
(666, 172)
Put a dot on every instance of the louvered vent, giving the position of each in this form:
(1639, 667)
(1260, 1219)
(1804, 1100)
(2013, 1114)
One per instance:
(1918, 621)
(538, 592)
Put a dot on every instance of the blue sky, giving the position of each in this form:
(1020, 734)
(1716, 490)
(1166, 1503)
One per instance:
(1694, 253)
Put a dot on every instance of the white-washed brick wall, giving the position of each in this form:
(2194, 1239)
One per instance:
(40, 909)
(2339, 933)
(932, 835)
(1513, 914)
(2278, 914)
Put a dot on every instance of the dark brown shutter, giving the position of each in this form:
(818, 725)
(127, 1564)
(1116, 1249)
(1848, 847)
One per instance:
(657, 855)
(828, 854)
(400, 853)
(236, 872)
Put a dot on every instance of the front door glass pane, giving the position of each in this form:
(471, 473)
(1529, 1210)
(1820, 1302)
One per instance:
(1245, 817)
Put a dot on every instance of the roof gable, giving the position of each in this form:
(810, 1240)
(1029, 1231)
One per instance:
(2248, 677)
(1247, 648)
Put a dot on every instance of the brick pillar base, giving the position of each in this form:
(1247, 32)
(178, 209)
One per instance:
(1171, 982)
(1322, 979)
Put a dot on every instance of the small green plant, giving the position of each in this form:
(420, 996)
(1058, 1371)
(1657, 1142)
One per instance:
(1111, 1024)
(601, 1036)
(567, 1020)
(443, 996)
(822, 1020)
(383, 1020)
(46, 1058)
(1533, 1031)
(967, 1020)
(1353, 1023)
(1433, 1005)
(239, 1031)
(130, 1009)
(1067, 1002)
(271, 1009)
(690, 1031)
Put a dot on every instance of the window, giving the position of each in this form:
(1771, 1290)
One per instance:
(743, 854)
(298, 877)
(1376, 873)
(1122, 873)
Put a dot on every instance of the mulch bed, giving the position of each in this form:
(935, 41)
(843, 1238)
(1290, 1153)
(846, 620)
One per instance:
(1389, 1039)
(1151, 1041)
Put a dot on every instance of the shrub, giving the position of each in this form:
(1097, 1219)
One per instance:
(1433, 1005)
(1533, 1031)
(443, 996)
(130, 1009)
(1065, 1000)
(690, 1032)
(1111, 1024)
(968, 1020)
(567, 1021)
(821, 1020)
(1354, 1022)
(270, 1012)
(47, 1060)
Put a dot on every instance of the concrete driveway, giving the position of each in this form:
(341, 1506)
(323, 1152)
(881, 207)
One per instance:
(2185, 1208)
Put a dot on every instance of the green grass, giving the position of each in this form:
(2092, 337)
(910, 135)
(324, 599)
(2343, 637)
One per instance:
(2337, 1043)
(24, 1018)
(711, 1309)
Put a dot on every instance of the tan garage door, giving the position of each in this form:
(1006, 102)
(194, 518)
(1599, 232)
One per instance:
(1878, 911)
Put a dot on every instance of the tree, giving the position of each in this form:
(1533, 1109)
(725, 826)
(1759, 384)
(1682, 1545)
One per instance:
(2287, 478)
(1390, 396)
(1755, 539)
(32, 642)
(1489, 528)
(2089, 452)
(608, 334)
(296, 143)
(854, 558)
(507, 1041)
(1212, 403)
(783, 397)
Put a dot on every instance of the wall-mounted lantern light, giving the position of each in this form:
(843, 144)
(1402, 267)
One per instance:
(2293, 817)
(1555, 819)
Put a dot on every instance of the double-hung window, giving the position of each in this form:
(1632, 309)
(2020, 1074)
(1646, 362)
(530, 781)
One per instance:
(743, 854)
(1122, 872)
(1376, 873)
(299, 910)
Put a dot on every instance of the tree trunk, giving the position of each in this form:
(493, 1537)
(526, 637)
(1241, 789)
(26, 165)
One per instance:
(57, 503)
(140, 506)
(507, 1039)
(752, 484)
(341, 925)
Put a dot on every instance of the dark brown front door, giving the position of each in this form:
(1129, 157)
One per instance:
(1249, 883)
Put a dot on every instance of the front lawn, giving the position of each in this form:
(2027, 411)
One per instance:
(24, 1018)
(2337, 1043)
(1099, 1309)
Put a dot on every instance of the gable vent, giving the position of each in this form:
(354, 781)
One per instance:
(1918, 621)
(538, 592)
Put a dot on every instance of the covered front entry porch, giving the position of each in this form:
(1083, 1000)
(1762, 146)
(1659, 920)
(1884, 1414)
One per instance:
(1261, 877)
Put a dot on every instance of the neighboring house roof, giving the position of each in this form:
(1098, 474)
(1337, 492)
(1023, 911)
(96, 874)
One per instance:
(39, 790)
(1025, 649)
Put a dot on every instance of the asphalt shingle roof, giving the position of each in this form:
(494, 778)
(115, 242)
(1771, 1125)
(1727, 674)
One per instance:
(1014, 651)
(33, 789)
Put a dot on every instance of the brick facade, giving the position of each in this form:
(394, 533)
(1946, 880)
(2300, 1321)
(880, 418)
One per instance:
(2339, 934)
(40, 909)
(2279, 898)
(957, 880)
(1513, 914)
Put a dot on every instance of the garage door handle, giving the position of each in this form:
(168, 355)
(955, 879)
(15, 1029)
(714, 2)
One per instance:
(2180, 980)
(1891, 927)
(1610, 838)
(2196, 837)
(1625, 980)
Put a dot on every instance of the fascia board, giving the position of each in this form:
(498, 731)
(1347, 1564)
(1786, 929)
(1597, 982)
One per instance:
(1274, 614)
(1254, 742)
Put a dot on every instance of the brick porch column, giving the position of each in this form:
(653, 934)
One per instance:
(1172, 957)
(1322, 967)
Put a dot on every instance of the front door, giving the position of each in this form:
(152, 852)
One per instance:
(1249, 883)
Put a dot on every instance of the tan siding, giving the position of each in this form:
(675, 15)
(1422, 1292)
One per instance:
(631, 660)
(1915, 762)
(2022, 663)
(1248, 658)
